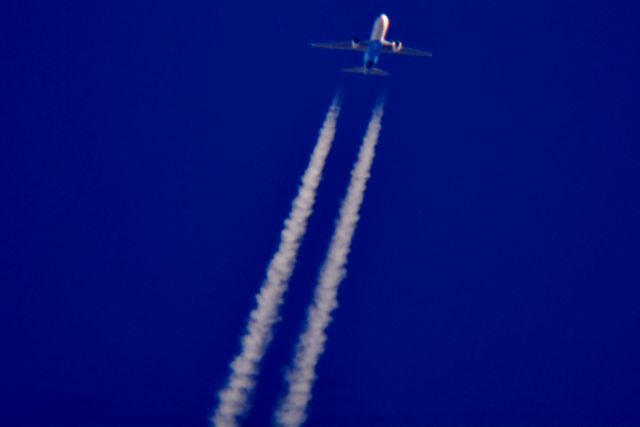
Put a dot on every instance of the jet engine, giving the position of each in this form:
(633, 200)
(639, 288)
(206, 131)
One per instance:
(355, 42)
(396, 46)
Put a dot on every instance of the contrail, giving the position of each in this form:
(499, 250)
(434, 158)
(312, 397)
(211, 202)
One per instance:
(234, 397)
(292, 410)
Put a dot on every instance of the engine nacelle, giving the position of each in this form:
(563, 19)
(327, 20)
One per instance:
(355, 42)
(396, 46)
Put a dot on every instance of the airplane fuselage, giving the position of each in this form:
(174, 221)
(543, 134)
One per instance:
(377, 39)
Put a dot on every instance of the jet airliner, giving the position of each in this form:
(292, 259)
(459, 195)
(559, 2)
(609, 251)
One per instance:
(373, 47)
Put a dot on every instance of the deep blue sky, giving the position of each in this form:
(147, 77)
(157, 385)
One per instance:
(149, 152)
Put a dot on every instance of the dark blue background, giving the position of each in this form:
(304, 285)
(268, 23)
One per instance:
(149, 152)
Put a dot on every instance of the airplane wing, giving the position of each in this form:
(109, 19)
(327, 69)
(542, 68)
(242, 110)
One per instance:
(406, 51)
(348, 45)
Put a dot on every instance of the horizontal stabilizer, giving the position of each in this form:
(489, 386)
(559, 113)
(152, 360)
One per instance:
(365, 71)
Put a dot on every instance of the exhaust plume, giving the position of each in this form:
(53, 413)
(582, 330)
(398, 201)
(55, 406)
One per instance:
(234, 397)
(292, 411)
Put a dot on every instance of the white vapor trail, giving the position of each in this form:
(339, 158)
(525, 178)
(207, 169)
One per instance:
(234, 397)
(292, 411)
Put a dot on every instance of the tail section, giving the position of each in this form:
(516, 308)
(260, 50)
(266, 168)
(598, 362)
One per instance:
(365, 71)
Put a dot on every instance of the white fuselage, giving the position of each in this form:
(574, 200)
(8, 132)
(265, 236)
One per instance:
(377, 40)
(380, 28)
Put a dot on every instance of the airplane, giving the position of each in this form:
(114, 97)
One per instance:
(373, 47)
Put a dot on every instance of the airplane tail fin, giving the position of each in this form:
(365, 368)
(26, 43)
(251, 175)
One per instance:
(364, 70)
